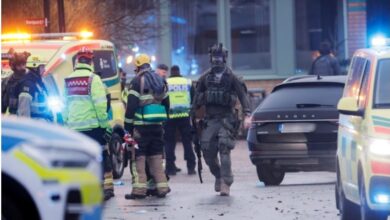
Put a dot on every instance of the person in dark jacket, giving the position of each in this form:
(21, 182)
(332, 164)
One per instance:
(326, 64)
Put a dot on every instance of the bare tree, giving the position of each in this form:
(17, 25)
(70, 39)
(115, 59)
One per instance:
(122, 21)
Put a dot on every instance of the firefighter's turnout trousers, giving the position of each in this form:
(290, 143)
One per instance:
(150, 150)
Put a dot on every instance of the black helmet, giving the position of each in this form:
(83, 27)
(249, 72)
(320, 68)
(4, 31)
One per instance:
(17, 58)
(218, 54)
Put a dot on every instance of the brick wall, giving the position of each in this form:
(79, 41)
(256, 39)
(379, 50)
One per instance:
(357, 27)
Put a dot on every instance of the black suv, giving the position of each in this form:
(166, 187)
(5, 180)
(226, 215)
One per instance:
(295, 128)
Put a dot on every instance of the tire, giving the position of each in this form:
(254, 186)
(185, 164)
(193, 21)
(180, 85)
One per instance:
(117, 156)
(348, 210)
(365, 212)
(269, 175)
(10, 211)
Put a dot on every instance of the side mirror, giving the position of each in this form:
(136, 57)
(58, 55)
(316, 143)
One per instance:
(349, 106)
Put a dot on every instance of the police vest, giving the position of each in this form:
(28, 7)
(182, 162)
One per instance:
(179, 97)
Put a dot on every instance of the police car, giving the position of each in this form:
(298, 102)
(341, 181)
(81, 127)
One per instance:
(57, 51)
(363, 154)
(48, 172)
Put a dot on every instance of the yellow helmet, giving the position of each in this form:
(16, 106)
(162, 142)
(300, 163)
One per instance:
(34, 61)
(141, 60)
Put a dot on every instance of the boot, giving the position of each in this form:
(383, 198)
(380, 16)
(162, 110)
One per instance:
(217, 185)
(155, 163)
(134, 196)
(138, 179)
(108, 194)
(225, 189)
(108, 186)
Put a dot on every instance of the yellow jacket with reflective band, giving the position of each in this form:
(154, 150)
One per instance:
(85, 100)
(179, 96)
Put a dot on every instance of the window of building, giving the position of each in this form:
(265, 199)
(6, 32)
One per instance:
(250, 34)
(194, 30)
(315, 21)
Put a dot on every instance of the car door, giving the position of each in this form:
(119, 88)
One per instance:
(351, 127)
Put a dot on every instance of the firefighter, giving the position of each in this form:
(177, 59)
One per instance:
(180, 92)
(86, 110)
(24, 93)
(147, 107)
(217, 90)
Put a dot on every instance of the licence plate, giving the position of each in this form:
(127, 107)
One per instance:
(296, 127)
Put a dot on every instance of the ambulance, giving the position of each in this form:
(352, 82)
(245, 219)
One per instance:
(57, 52)
(48, 172)
(363, 153)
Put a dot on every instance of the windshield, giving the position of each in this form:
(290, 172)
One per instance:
(382, 85)
(309, 96)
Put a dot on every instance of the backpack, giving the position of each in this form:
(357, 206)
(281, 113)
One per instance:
(155, 83)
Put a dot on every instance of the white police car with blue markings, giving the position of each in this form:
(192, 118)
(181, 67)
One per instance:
(48, 172)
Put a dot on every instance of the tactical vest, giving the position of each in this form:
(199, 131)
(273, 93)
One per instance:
(39, 94)
(11, 96)
(219, 91)
(179, 97)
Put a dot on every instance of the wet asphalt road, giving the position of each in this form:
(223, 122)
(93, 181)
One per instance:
(303, 196)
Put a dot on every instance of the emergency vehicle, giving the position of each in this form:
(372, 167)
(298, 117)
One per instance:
(57, 52)
(48, 172)
(363, 154)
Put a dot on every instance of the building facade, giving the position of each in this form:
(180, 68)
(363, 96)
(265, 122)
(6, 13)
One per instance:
(268, 40)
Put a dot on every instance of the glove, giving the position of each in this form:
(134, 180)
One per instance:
(247, 122)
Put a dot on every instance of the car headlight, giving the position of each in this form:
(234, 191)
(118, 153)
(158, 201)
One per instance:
(55, 104)
(380, 147)
(58, 157)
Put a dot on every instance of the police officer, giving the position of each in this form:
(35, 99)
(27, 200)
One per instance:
(25, 94)
(147, 107)
(217, 90)
(180, 92)
(86, 109)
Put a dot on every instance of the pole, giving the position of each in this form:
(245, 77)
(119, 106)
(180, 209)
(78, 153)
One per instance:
(46, 15)
(61, 16)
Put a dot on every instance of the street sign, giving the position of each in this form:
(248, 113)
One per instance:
(37, 21)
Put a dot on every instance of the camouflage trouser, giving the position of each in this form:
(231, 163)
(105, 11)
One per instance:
(218, 137)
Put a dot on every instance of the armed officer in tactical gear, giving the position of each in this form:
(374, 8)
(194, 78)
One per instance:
(218, 89)
(24, 92)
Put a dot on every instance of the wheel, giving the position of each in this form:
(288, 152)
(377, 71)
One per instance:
(117, 155)
(365, 212)
(269, 175)
(348, 210)
(10, 210)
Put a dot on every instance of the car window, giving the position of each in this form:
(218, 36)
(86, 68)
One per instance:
(362, 99)
(104, 63)
(353, 85)
(310, 95)
(382, 82)
(51, 85)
